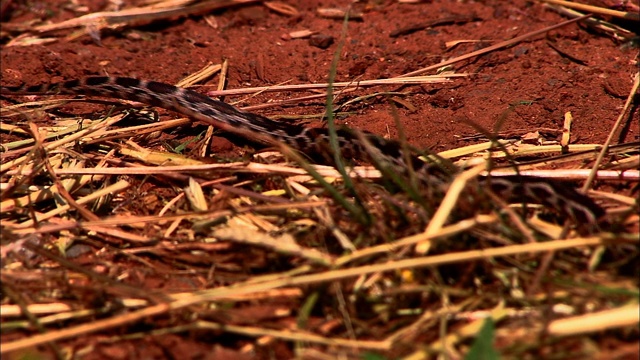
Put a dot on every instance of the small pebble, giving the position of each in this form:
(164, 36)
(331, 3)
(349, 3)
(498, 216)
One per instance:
(321, 41)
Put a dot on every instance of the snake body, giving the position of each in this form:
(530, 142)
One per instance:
(313, 142)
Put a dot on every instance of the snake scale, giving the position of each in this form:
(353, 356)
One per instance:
(313, 142)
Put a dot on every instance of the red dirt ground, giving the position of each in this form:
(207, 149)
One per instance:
(525, 88)
(251, 38)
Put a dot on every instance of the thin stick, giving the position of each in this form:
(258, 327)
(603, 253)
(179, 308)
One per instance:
(493, 47)
(605, 147)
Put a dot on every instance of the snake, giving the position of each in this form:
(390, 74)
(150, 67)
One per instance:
(315, 142)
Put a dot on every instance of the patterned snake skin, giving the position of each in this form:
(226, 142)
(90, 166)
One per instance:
(314, 142)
